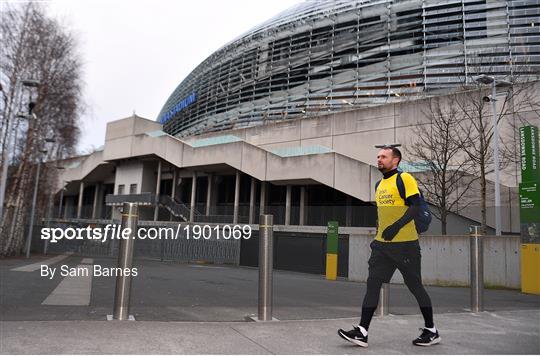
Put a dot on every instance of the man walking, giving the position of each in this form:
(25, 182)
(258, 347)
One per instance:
(395, 247)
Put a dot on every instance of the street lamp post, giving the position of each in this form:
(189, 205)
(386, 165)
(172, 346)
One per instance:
(5, 154)
(34, 199)
(50, 208)
(496, 158)
(486, 79)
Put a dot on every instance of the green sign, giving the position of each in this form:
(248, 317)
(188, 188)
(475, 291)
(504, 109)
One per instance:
(530, 163)
(529, 204)
(529, 201)
(332, 237)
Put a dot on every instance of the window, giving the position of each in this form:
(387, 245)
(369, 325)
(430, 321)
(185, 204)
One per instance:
(133, 189)
(121, 189)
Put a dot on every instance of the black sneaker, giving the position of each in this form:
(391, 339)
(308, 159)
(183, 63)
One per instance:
(355, 336)
(427, 338)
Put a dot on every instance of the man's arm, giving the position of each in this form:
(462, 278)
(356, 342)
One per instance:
(414, 207)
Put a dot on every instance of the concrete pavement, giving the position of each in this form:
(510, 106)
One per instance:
(507, 332)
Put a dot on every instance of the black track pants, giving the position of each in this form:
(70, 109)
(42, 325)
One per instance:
(385, 259)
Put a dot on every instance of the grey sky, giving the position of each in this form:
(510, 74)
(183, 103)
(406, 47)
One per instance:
(136, 52)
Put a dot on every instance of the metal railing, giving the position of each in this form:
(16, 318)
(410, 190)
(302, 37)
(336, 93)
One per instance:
(176, 208)
(141, 199)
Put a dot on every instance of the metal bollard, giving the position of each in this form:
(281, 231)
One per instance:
(477, 270)
(266, 265)
(382, 307)
(130, 219)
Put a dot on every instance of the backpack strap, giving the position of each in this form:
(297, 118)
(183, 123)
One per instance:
(401, 187)
(377, 184)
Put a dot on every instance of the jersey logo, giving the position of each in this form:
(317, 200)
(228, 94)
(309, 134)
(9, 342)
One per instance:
(423, 218)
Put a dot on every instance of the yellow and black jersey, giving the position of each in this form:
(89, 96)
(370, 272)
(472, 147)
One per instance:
(391, 206)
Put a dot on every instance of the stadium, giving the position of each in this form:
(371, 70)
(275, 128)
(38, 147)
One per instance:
(334, 56)
(283, 120)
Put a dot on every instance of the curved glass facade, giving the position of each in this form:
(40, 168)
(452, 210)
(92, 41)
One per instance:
(326, 56)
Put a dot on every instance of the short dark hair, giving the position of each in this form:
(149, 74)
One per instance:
(395, 152)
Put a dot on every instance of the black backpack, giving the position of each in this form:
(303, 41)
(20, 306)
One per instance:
(423, 218)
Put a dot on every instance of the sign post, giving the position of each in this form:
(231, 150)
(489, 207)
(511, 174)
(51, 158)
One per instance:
(332, 250)
(529, 203)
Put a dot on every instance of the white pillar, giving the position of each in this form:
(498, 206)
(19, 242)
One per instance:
(158, 188)
(96, 198)
(173, 189)
(175, 178)
(288, 205)
(236, 197)
(252, 201)
(193, 196)
(302, 205)
(262, 205)
(209, 194)
(66, 207)
(79, 205)
(61, 203)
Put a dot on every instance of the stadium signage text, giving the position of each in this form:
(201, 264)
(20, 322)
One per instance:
(188, 100)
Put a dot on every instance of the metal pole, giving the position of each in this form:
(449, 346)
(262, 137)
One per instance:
(33, 211)
(266, 265)
(382, 307)
(130, 219)
(477, 270)
(496, 159)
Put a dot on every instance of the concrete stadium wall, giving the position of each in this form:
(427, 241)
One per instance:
(354, 133)
(445, 260)
(129, 173)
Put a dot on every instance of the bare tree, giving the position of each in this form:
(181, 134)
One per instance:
(436, 150)
(477, 134)
(34, 47)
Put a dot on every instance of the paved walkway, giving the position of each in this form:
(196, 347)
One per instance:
(508, 332)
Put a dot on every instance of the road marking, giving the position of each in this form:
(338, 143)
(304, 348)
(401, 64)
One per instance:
(35, 266)
(87, 261)
(73, 290)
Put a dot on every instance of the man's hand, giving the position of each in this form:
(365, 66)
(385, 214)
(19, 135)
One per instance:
(390, 232)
